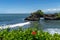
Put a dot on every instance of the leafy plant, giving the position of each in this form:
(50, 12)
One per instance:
(27, 34)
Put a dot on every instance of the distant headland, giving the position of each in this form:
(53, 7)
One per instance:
(35, 16)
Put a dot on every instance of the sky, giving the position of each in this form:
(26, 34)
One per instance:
(28, 6)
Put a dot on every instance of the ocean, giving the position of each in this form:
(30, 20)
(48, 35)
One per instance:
(7, 19)
(13, 20)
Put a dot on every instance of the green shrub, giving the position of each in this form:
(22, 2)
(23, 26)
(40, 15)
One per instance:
(27, 34)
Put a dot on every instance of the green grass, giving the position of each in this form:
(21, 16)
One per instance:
(27, 35)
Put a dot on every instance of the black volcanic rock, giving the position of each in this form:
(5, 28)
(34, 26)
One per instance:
(32, 18)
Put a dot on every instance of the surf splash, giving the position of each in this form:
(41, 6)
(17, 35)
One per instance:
(15, 25)
(52, 30)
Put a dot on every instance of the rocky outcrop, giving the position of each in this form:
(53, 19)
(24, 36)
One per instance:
(51, 17)
(33, 17)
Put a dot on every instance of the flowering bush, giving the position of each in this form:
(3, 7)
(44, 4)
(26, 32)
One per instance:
(33, 33)
(27, 34)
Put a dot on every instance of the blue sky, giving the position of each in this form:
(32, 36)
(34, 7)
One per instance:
(28, 6)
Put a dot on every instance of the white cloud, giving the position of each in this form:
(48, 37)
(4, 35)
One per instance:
(54, 9)
(50, 10)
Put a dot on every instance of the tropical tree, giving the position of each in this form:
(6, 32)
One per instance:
(38, 13)
(57, 14)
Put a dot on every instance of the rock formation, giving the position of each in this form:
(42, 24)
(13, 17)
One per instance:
(35, 16)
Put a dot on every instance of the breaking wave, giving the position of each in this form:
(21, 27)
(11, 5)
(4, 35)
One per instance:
(14, 25)
(52, 30)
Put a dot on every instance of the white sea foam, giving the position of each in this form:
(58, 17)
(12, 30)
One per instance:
(14, 25)
(52, 30)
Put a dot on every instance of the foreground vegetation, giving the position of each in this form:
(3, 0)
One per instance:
(27, 34)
